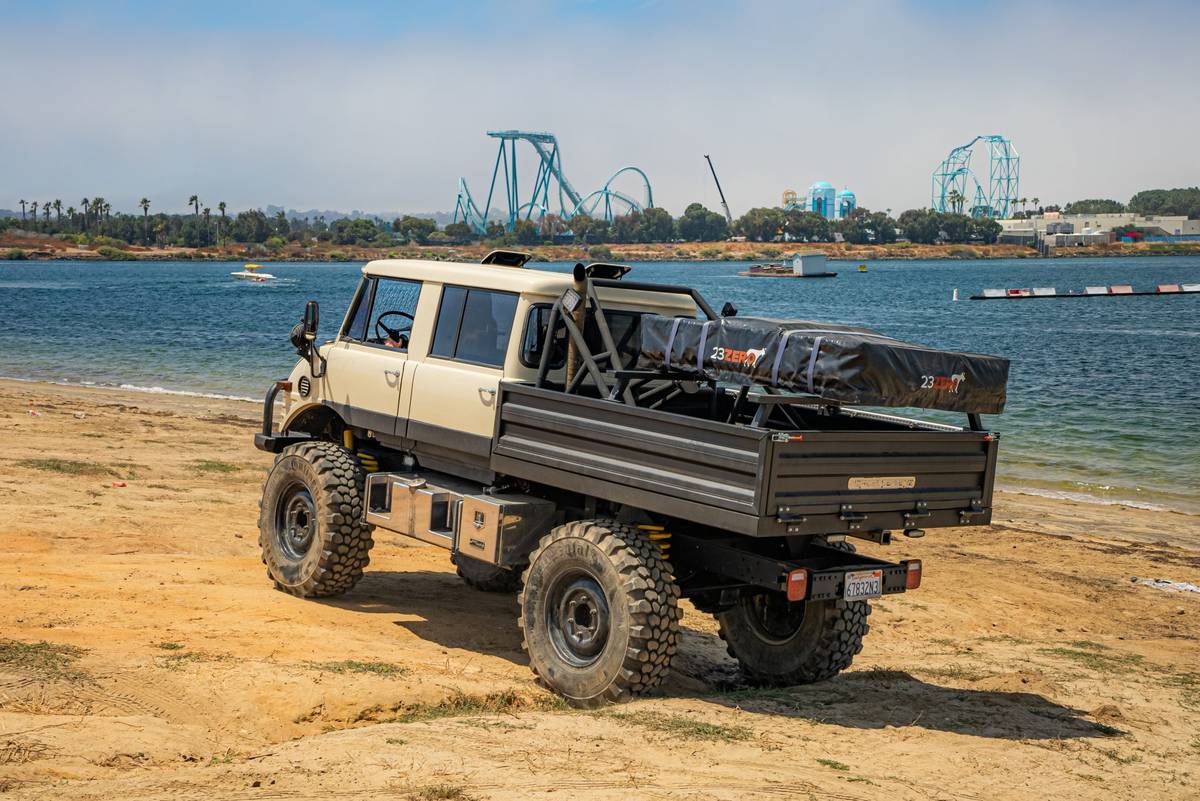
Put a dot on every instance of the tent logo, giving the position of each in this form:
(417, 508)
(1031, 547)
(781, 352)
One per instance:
(942, 383)
(742, 358)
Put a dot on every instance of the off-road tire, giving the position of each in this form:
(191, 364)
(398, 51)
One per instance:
(640, 611)
(826, 640)
(485, 577)
(331, 559)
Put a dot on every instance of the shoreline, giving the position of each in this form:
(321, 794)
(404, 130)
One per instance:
(51, 249)
(188, 399)
(148, 656)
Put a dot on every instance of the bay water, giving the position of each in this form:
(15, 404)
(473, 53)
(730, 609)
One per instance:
(1103, 395)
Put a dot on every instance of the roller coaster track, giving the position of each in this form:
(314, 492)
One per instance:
(1004, 175)
(550, 190)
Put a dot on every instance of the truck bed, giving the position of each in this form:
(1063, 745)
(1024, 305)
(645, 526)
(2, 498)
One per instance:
(864, 473)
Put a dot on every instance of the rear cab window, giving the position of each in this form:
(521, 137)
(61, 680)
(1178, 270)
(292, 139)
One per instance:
(623, 325)
(474, 325)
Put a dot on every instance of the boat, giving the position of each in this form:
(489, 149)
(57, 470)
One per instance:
(862, 268)
(250, 273)
(804, 265)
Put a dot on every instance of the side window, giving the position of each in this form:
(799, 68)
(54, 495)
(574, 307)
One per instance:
(357, 327)
(392, 312)
(445, 335)
(474, 325)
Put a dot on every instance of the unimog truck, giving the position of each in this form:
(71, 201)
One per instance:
(605, 447)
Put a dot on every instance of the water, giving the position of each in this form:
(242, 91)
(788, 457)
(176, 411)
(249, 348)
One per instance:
(1104, 394)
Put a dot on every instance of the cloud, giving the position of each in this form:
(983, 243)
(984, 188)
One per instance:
(326, 109)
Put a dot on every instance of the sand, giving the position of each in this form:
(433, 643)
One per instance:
(1028, 666)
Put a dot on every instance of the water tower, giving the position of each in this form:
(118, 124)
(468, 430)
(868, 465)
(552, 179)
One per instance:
(846, 203)
(821, 197)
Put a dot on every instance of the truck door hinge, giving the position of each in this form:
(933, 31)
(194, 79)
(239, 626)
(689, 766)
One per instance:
(974, 510)
(851, 518)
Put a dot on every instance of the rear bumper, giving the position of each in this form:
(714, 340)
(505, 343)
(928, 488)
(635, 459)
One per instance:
(827, 567)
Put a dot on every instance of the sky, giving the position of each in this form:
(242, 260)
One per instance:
(383, 106)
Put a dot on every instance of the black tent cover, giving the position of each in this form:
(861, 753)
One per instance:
(836, 362)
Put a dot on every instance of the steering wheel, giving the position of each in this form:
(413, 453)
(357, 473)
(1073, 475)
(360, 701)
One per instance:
(393, 333)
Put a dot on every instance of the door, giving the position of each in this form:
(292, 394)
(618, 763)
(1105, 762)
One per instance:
(454, 390)
(365, 370)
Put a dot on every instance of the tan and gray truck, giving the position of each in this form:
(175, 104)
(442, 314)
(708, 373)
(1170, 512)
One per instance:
(606, 447)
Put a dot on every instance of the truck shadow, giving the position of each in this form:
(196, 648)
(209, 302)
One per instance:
(436, 608)
(878, 698)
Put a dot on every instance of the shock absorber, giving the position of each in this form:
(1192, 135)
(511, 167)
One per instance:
(660, 537)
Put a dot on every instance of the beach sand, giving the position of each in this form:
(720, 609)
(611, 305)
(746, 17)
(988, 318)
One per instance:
(1028, 665)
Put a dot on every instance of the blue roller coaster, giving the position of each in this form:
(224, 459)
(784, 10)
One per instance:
(1004, 176)
(604, 203)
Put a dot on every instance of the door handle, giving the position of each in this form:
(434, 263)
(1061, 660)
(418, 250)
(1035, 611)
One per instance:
(393, 373)
(488, 391)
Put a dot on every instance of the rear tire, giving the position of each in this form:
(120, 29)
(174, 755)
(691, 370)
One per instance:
(780, 643)
(310, 524)
(599, 612)
(485, 577)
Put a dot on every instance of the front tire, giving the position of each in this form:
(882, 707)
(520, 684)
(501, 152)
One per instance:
(310, 525)
(779, 643)
(599, 612)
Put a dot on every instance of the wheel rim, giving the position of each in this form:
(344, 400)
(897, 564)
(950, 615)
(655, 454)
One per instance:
(773, 618)
(577, 617)
(295, 521)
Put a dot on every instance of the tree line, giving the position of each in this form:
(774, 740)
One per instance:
(1167, 202)
(94, 221)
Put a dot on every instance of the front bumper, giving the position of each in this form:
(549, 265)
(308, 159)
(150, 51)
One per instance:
(267, 440)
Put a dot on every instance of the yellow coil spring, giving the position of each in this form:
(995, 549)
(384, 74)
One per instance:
(368, 461)
(660, 537)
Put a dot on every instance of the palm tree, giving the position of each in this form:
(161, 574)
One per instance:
(58, 210)
(46, 213)
(194, 201)
(33, 216)
(145, 204)
(1036, 203)
(221, 224)
(71, 214)
(86, 205)
(98, 206)
(22, 210)
(207, 213)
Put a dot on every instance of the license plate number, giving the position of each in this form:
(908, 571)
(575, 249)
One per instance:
(862, 584)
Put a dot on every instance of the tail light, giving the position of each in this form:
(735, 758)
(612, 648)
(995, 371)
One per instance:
(797, 584)
(912, 579)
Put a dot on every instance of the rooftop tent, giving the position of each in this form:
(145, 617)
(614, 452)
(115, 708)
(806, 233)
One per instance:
(835, 362)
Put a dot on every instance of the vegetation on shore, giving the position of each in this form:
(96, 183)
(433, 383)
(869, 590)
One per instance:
(48, 230)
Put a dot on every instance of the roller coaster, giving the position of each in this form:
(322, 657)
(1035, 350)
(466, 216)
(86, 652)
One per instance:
(551, 192)
(1004, 176)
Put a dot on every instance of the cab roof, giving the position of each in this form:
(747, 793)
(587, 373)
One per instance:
(525, 280)
(484, 276)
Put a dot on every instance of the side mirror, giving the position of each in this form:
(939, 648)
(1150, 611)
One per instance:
(312, 318)
(728, 310)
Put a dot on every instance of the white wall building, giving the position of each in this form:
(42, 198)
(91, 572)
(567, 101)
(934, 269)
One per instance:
(1103, 223)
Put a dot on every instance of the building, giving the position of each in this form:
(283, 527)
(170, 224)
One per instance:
(1055, 223)
(821, 198)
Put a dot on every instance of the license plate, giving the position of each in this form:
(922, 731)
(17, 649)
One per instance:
(862, 584)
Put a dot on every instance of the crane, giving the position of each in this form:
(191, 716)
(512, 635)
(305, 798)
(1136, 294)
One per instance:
(724, 205)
